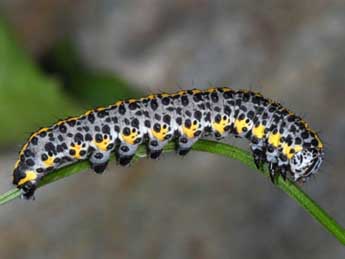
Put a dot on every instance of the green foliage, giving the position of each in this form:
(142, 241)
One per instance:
(27, 97)
(25, 94)
(221, 149)
(94, 88)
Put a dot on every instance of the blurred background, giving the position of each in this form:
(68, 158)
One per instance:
(60, 57)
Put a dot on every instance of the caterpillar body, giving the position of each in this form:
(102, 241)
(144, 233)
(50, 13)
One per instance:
(276, 135)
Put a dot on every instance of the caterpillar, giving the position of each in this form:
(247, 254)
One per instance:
(276, 135)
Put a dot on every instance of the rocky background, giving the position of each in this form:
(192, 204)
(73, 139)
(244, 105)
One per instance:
(200, 206)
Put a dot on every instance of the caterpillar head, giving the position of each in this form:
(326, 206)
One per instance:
(26, 181)
(306, 163)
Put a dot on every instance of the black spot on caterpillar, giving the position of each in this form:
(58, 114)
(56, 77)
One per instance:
(276, 135)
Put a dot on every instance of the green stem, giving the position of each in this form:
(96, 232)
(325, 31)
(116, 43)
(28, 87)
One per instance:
(221, 149)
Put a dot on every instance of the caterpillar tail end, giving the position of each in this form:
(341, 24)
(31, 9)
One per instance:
(27, 182)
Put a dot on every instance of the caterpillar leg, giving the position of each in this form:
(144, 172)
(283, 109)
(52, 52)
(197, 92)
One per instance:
(184, 145)
(125, 153)
(276, 169)
(272, 155)
(283, 171)
(272, 168)
(183, 152)
(259, 156)
(125, 160)
(99, 161)
(99, 168)
(155, 154)
(155, 148)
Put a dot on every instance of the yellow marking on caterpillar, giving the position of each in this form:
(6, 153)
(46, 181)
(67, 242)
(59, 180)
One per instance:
(99, 109)
(49, 162)
(305, 124)
(196, 91)
(160, 135)
(130, 139)
(289, 151)
(75, 117)
(151, 97)
(319, 143)
(226, 89)
(61, 122)
(72, 118)
(77, 149)
(211, 90)
(286, 151)
(298, 148)
(165, 95)
(259, 131)
(42, 130)
(34, 135)
(274, 139)
(17, 163)
(102, 145)
(23, 148)
(118, 103)
(219, 126)
(189, 133)
(181, 92)
(132, 100)
(239, 125)
(29, 176)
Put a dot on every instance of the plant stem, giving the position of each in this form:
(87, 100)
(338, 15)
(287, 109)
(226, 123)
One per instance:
(221, 149)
